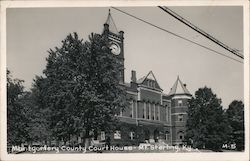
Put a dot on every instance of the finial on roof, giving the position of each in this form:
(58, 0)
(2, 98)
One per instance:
(108, 18)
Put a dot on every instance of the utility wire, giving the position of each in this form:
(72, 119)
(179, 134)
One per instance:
(200, 31)
(219, 53)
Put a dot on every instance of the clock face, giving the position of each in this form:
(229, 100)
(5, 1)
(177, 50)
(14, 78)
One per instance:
(115, 48)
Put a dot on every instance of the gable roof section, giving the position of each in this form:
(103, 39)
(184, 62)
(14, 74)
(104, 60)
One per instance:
(179, 88)
(139, 81)
(111, 23)
(149, 76)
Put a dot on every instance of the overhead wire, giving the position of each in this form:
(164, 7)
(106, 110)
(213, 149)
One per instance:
(200, 31)
(176, 35)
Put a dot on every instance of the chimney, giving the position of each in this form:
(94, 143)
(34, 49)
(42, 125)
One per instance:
(133, 76)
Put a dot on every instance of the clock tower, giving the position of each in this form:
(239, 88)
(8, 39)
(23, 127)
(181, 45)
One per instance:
(116, 43)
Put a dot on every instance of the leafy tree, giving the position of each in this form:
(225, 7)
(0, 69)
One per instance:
(235, 119)
(17, 131)
(36, 113)
(26, 116)
(206, 125)
(81, 88)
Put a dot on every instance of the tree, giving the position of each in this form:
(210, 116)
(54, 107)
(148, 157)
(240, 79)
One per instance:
(206, 125)
(37, 113)
(235, 120)
(81, 87)
(17, 131)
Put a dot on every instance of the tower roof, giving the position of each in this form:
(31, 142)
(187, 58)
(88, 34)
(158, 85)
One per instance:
(111, 23)
(179, 88)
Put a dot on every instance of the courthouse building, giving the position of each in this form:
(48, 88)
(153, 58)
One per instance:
(153, 116)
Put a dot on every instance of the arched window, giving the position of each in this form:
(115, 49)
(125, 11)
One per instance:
(147, 108)
(152, 111)
(157, 113)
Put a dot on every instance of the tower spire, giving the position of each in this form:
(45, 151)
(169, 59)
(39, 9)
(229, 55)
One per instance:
(111, 23)
(108, 18)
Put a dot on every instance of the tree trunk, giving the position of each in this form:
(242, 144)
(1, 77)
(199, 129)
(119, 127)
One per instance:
(87, 139)
(87, 142)
(69, 140)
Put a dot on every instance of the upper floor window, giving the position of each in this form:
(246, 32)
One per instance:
(148, 110)
(131, 109)
(180, 117)
(151, 83)
(180, 103)
(157, 113)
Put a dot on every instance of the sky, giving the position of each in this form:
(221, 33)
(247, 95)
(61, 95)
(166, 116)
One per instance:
(31, 32)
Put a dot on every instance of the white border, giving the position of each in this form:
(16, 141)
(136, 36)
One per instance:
(122, 156)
